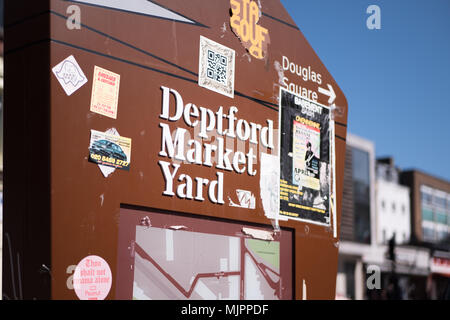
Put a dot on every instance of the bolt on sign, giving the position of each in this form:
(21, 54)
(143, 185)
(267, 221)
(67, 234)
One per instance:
(202, 161)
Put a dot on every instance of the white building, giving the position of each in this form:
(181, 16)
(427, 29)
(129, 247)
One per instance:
(392, 205)
(374, 206)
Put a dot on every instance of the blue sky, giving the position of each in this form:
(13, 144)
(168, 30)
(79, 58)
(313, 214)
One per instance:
(396, 79)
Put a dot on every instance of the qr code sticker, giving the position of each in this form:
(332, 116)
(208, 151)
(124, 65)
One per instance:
(217, 67)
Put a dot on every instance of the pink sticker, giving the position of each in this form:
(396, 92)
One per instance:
(92, 279)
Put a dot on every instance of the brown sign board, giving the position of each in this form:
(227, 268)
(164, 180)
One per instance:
(145, 132)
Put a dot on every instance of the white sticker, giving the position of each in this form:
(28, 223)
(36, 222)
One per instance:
(216, 67)
(69, 75)
(246, 199)
(92, 279)
(269, 184)
(258, 234)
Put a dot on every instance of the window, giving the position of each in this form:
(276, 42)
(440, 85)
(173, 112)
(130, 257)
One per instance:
(448, 209)
(403, 209)
(361, 189)
(426, 197)
(350, 278)
(435, 214)
(393, 207)
(427, 215)
(1, 12)
(428, 234)
(441, 217)
(439, 202)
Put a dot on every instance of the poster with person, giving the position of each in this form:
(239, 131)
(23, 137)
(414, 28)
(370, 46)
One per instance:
(305, 159)
(306, 153)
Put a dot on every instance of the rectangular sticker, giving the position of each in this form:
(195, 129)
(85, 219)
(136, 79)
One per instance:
(305, 159)
(69, 74)
(105, 92)
(110, 150)
(269, 185)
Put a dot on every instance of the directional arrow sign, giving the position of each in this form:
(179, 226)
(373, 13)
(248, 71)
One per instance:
(143, 7)
(330, 93)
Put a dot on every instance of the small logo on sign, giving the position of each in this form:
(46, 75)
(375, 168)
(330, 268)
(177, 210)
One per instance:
(246, 199)
(243, 21)
(69, 75)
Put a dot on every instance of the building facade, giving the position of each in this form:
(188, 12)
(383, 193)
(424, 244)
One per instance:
(358, 219)
(379, 232)
(392, 205)
(430, 226)
(430, 204)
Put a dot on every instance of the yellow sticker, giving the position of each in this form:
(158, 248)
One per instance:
(243, 21)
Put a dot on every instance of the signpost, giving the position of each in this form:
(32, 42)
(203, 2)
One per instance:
(150, 135)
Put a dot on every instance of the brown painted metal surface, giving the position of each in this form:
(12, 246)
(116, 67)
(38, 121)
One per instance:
(78, 209)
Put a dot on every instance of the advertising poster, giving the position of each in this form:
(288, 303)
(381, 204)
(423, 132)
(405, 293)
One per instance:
(110, 150)
(105, 92)
(305, 159)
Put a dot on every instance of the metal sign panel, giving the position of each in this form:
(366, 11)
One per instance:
(185, 96)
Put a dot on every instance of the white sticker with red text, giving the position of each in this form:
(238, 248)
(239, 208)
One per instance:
(92, 279)
(105, 92)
